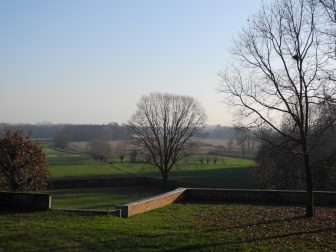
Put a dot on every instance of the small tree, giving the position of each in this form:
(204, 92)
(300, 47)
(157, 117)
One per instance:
(166, 125)
(22, 163)
(100, 149)
(215, 160)
(241, 135)
(133, 156)
(121, 150)
(61, 140)
(201, 159)
(229, 144)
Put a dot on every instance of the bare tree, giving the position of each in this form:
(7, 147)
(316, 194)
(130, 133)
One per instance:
(229, 144)
(100, 149)
(121, 150)
(132, 155)
(279, 76)
(330, 11)
(327, 12)
(245, 139)
(166, 125)
(241, 134)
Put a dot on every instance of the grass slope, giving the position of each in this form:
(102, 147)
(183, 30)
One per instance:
(177, 227)
(100, 198)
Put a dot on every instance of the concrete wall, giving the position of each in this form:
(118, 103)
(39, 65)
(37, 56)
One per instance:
(25, 201)
(145, 205)
(277, 197)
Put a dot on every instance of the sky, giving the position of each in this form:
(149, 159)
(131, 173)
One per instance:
(90, 62)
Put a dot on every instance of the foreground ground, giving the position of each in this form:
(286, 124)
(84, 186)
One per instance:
(178, 227)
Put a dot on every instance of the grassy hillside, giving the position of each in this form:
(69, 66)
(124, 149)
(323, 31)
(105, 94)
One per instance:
(101, 198)
(177, 227)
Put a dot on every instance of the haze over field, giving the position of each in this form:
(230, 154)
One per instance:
(90, 61)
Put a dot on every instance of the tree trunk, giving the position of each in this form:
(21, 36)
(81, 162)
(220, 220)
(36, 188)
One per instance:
(309, 187)
(243, 150)
(13, 185)
(164, 180)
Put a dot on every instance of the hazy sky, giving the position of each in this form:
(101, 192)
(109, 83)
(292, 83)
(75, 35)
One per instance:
(69, 61)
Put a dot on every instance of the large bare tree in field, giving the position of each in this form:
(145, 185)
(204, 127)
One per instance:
(167, 125)
(279, 78)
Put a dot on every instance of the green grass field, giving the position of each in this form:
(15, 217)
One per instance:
(177, 227)
(227, 172)
(64, 164)
(101, 198)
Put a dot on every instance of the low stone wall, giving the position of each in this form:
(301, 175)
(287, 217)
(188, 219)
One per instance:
(145, 205)
(274, 197)
(277, 197)
(325, 198)
(23, 201)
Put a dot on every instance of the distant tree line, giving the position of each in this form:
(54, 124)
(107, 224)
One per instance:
(86, 133)
(220, 132)
(34, 130)
(65, 133)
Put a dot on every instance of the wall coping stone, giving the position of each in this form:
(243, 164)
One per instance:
(162, 195)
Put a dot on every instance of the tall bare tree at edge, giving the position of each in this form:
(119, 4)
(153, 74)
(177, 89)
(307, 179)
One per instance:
(167, 125)
(280, 75)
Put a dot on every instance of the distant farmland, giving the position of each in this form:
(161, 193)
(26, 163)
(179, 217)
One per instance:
(228, 172)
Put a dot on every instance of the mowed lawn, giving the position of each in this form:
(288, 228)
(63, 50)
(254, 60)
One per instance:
(227, 172)
(177, 227)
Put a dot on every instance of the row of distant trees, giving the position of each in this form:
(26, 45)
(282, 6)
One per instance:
(39, 130)
(65, 133)
(125, 151)
(104, 151)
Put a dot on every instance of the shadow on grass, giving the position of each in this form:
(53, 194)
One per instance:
(232, 177)
(124, 244)
(220, 177)
(261, 223)
(253, 240)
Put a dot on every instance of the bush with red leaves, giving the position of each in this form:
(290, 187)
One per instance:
(22, 163)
